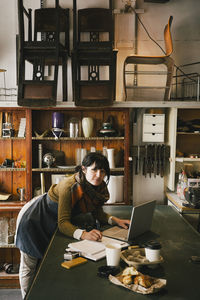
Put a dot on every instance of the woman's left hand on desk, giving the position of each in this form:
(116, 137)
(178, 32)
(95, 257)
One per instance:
(124, 223)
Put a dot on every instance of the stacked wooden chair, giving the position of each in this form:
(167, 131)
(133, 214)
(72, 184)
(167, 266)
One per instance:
(93, 57)
(39, 57)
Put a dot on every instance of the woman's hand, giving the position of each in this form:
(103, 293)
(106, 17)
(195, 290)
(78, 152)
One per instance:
(93, 235)
(124, 223)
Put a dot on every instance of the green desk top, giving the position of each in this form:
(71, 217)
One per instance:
(179, 242)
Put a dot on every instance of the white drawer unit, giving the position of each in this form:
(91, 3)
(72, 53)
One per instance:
(153, 128)
(153, 137)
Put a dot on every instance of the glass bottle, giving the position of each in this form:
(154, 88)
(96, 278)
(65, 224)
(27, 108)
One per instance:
(178, 189)
(184, 185)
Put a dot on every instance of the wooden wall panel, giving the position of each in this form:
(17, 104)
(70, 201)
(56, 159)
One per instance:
(5, 149)
(19, 181)
(16, 118)
(69, 148)
(19, 150)
(5, 181)
(119, 120)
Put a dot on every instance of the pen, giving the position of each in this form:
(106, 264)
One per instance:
(98, 225)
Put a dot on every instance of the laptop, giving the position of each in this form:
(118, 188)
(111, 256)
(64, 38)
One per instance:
(141, 220)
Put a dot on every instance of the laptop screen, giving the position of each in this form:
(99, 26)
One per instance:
(141, 219)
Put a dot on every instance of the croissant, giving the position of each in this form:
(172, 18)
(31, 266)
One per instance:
(143, 280)
(130, 271)
(127, 279)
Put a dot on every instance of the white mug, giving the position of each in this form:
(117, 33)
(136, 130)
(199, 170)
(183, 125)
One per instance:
(113, 252)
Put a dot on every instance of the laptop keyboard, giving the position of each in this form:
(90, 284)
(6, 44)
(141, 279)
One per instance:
(116, 232)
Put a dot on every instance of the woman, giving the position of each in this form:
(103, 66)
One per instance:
(74, 204)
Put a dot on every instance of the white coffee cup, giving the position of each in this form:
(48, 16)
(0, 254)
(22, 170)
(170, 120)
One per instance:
(113, 251)
(152, 251)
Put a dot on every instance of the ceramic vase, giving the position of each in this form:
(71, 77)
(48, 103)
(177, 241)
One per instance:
(87, 126)
(110, 156)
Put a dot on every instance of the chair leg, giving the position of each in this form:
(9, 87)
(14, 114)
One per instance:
(113, 67)
(21, 77)
(170, 68)
(64, 78)
(124, 81)
(74, 74)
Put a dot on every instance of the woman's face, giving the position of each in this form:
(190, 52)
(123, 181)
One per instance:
(93, 175)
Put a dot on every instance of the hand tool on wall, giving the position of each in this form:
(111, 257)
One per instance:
(155, 160)
(145, 161)
(158, 160)
(137, 161)
(162, 160)
(149, 160)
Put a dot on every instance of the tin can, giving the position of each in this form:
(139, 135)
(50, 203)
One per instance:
(73, 128)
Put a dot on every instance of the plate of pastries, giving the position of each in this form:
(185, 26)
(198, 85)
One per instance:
(134, 280)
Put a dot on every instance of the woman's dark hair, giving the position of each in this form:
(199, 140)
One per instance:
(100, 161)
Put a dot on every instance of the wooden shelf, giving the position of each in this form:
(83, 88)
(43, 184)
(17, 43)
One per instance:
(188, 133)
(9, 281)
(11, 205)
(71, 169)
(182, 159)
(7, 246)
(78, 139)
(189, 104)
(12, 169)
(53, 170)
(4, 275)
(12, 138)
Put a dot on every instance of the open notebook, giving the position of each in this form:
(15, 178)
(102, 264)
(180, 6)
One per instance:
(94, 250)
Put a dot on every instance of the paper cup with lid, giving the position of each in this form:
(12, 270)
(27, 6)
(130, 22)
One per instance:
(152, 251)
